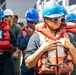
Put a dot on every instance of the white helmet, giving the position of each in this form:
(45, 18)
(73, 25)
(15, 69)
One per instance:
(8, 12)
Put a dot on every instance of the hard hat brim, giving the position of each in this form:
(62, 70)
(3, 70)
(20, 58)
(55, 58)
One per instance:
(2, 16)
(32, 20)
(54, 15)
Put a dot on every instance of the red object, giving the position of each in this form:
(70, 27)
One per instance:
(41, 66)
(5, 40)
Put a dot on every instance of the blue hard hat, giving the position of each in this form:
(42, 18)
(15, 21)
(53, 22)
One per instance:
(1, 13)
(71, 17)
(52, 10)
(64, 10)
(32, 15)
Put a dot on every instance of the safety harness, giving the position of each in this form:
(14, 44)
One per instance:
(61, 61)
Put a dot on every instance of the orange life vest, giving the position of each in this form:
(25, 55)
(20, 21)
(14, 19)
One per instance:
(71, 28)
(5, 36)
(55, 64)
(24, 30)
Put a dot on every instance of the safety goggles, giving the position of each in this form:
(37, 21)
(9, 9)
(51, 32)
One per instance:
(32, 22)
(54, 19)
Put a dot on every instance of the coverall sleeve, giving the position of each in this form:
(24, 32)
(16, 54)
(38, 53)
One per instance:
(13, 38)
(22, 41)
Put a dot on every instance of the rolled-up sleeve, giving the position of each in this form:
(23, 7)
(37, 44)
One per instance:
(33, 45)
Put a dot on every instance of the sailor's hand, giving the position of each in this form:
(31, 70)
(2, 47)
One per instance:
(67, 44)
(30, 31)
(49, 45)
